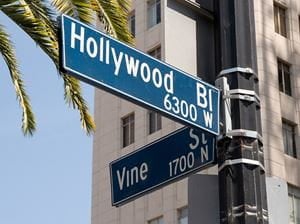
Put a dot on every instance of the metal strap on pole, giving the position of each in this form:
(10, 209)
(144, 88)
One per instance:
(241, 161)
(237, 69)
(227, 96)
(245, 209)
(244, 133)
(242, 94)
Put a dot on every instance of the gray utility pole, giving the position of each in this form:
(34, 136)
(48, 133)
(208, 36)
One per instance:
(240, 152)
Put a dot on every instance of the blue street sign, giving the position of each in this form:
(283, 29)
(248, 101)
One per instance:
(104, 62)
(167, 160)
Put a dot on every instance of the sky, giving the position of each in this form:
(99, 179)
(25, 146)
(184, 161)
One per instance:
(45, 178)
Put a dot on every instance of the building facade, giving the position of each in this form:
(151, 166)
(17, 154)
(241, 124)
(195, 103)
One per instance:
(173, 31)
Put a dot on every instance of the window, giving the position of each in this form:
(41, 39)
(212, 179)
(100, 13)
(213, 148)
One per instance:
(154, 121)
(183, 216)
(156, 52)
(294, 205)
(284, 77)
(288, 134)
(299, 23)
(131, 22)
(280, 20)
(153, 117)
(153, 10)
(128, 130)
(157, 221)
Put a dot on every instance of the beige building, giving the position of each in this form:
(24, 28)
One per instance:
(168, 29)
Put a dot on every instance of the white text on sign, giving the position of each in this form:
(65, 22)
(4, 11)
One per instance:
(128, 176)
(101, 50)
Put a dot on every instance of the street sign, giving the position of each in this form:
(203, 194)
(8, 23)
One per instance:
(104, 62)
(162, 162)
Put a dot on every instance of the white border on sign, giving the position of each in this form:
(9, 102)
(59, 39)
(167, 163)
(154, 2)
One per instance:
(130, 96)
(182, 175)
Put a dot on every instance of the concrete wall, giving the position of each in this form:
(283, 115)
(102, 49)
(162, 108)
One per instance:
(275, 105)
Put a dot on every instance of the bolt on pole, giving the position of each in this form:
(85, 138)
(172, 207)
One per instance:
(240, 150)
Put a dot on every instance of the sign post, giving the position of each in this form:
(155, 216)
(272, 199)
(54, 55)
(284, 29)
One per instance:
(240, 153)
(104, 62)
(169, 159)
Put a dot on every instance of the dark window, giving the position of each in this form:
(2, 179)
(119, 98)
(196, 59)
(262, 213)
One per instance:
(299, 23)
(288, 134)
(157, 221)
(280, 20)
(284, 77)
(131, 22)
(128, 130)
(294, 205)
(153, 10)
(154, 122)
(156, 52)
(183, 216)
(154, 118)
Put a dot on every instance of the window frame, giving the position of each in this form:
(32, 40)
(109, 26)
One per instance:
(131, 23)
(180, 216)
(158, 220)
(155, 52)
(129, 128)
(294, 198)
(289, 131)
(299, 23)
(284, 77)
(280, 24)
(153, 13)
(154, 122)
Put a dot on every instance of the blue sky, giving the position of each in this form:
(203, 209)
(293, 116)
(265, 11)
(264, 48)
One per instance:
(45, 178)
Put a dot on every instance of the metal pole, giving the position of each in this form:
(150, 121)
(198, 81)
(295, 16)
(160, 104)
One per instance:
(240, 152)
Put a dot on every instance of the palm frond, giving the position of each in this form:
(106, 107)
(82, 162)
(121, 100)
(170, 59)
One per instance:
(42, 11)
(125, 5)
(7, 2)
(74, 97)
(111, 14)
(36, 18)
(7, 51)
(80, 9)
(24, 16)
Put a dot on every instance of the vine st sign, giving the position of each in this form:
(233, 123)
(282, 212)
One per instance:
(162, 162)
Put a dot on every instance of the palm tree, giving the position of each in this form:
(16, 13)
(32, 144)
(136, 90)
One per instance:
(38, 19)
